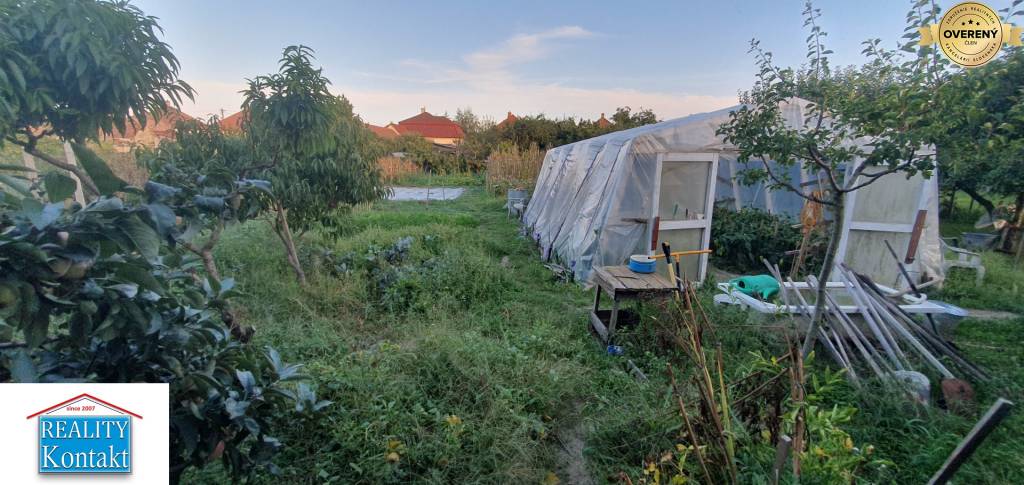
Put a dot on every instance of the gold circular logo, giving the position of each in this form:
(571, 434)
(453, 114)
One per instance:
(970, 34)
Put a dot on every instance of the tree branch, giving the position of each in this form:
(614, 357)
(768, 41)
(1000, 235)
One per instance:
(30, 148)
(873, 177)
(815, 156)
(790, 186)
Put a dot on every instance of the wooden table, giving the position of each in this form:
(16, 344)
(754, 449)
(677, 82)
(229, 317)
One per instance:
(622, 283)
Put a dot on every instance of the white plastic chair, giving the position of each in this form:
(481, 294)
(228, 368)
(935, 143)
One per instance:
(516, 202)
(954, 257)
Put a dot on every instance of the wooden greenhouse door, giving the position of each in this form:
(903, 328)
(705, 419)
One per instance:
(684, 188)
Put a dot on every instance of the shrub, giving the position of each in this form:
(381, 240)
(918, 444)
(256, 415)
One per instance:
(398, 282)
(741, 238)
(97, 294)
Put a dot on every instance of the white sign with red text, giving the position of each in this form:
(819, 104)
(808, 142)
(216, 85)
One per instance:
(84, 433)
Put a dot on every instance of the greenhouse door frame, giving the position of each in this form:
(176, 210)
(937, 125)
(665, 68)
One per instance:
(709, 204)
(904, 228)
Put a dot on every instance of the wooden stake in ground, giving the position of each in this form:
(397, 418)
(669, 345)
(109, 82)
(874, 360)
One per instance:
(967, 447)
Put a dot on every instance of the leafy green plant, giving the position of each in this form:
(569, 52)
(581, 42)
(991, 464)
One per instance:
(982, 145)
(96, 293)
(78, 68)
(741, 238)
(312, 147)
(888, 104)
(104, 292)
(198, 176)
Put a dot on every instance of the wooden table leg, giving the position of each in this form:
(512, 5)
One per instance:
(613, 319)
(595, 319)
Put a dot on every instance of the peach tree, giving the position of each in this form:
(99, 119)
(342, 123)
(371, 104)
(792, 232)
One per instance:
(313, 148)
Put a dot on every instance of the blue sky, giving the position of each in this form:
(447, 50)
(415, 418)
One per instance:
(553, 57)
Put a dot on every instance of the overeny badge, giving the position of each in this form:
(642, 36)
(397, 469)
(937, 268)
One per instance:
(970, 34)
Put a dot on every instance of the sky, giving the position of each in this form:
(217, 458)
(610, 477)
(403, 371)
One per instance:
(557, 58)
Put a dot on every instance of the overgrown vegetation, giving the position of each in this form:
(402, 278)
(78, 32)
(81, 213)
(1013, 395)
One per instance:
(740, 239)
(509, 167)
(441, 349)
(444, 363)
(452, 355)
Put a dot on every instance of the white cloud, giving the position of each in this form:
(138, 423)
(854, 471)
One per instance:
(521, 48)
(485, 80)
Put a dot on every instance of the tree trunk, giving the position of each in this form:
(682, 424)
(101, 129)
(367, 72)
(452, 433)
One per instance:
(990, 208)
(285, 233)
(826, 273)
(205, 252)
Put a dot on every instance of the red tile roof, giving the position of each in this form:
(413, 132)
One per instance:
(429, 126)
(603, 122)
(508, 121)
(233, 123)
(385, 132)
(162, 128)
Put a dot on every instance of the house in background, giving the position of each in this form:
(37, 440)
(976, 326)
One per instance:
(232, 124)
(603, 122)
(384, 132)
(507, 122)
(438, 130)
(155, 130)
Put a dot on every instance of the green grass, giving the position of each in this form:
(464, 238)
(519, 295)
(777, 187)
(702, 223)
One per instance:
(502, 347)
(1003, 286)
(920, 439)
(468, 360)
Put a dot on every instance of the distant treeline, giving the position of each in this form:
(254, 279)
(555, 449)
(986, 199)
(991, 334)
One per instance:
(484, 136)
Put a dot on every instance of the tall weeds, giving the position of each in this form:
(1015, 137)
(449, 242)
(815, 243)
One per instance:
(393, 169)
(508, 167)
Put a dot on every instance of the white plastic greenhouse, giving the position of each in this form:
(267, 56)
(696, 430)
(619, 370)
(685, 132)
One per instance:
(598, 201)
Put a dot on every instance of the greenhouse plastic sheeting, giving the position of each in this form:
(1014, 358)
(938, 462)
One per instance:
(591, 196)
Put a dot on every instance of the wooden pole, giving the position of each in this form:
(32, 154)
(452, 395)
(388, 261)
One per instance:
(970, 444)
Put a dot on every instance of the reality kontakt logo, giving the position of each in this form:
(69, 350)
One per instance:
(85, 434)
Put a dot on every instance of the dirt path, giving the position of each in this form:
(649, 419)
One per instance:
(571, 462)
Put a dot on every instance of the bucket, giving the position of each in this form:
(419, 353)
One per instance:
(642, 263)
(515, 196)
